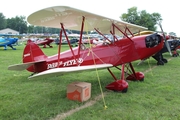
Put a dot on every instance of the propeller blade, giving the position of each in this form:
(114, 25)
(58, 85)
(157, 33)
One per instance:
(168, 47)
(166, 42)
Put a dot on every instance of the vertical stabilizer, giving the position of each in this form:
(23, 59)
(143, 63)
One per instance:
(32, 53)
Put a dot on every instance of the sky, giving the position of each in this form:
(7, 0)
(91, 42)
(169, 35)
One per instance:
(108, 8)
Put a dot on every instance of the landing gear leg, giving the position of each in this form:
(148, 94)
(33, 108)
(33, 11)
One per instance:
(159, 58)
(118, 85)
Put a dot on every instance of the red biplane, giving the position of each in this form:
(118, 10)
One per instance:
(106, 55)
(45, 42)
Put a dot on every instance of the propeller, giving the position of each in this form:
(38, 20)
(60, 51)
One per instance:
(166, 42)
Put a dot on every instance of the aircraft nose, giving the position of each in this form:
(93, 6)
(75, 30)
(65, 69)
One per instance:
(152, 40)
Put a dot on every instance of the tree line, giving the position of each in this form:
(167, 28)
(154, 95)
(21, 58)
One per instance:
(20, 24)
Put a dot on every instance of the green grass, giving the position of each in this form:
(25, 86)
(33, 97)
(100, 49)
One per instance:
(155, 98)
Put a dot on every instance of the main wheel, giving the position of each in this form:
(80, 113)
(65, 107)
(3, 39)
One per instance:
(160, 63)
(125, 90)
(141, 80)
(174, 55)
(164, 60)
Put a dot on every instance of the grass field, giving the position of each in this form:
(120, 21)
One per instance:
(157, 98)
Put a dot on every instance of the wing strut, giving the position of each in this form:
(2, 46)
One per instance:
(59, 48)
(80, 41)
(115, 38)
(124, 33)
(129, 31)
(102, 35)
(62, 27)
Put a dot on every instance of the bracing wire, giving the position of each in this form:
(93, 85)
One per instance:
(150, 67)
(90, 50)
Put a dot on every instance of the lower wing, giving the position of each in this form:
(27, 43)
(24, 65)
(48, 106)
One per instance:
(59, 71)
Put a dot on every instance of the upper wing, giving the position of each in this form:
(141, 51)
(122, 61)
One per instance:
(59, 71)
(72, 18)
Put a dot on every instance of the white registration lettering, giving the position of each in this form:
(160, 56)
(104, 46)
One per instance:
(49, 66)
(54, 65)
(67, 63)
(28, 54)
(72, 62)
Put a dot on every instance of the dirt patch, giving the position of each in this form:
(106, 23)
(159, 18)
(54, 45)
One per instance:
(150, 69)
(87, 104)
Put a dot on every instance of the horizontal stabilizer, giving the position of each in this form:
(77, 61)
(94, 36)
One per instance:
(59, 71)
(23, 66)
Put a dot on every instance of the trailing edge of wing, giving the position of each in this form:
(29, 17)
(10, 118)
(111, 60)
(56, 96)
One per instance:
(59, 71)
(23, 66)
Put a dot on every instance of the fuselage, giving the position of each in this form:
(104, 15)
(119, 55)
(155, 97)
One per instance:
(119, 52)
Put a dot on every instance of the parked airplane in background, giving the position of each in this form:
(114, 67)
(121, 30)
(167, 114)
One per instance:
(116, 52)
(45, 42)
(42, 39)
(7, 41)
(174, 45)
(73, 39)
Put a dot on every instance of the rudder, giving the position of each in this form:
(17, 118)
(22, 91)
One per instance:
(32, 53)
